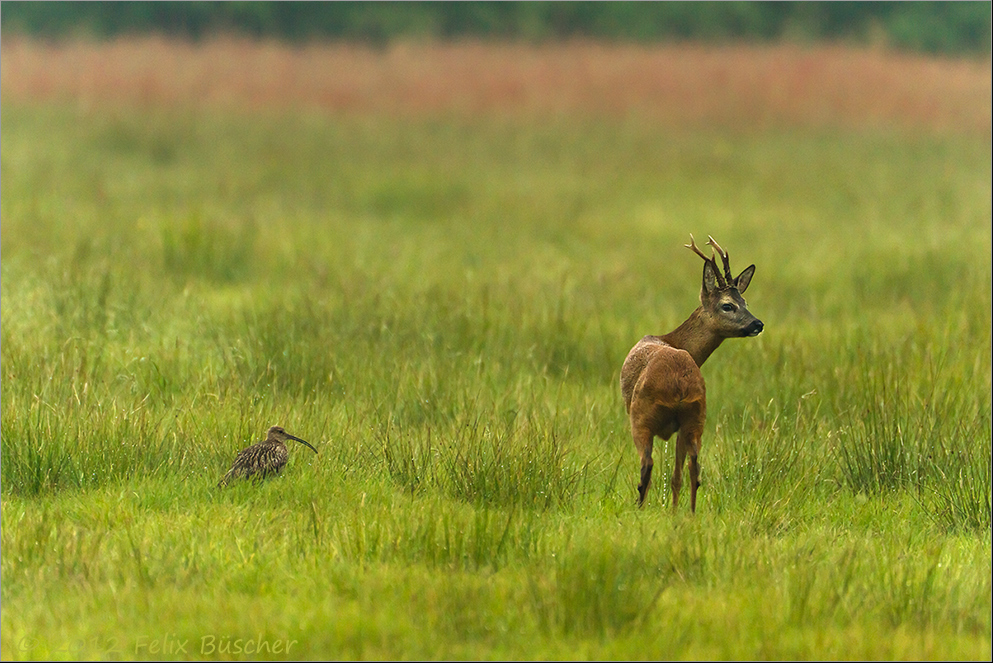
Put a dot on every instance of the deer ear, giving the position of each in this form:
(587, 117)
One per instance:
(709, 279)
(744, 279)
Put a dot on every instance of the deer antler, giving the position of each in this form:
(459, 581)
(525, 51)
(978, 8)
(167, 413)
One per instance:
(724, 258)
(712, 259)
(692, 247)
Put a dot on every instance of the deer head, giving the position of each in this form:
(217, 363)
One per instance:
(721, 295)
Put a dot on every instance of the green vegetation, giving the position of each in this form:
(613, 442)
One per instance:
(933, 27)
(442, 307)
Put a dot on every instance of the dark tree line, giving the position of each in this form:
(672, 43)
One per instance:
(936, 27)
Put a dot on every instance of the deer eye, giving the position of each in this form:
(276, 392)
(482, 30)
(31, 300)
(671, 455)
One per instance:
(727, 307)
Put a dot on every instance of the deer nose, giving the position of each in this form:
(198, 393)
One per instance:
(755, 328)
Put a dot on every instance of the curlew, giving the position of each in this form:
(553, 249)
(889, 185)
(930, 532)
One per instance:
(264, 458)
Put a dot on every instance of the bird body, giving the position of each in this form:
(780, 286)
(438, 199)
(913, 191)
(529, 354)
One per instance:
(262, 459)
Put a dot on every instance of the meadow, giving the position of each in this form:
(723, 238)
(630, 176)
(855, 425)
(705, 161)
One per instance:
(430, 261)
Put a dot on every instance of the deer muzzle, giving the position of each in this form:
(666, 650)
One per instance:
(754, 328)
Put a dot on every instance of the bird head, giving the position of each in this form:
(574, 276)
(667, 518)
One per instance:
(279, 433)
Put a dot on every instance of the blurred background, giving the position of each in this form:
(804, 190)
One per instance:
(933, 27)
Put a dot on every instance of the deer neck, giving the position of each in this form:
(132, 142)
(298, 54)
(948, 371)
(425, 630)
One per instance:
(695, 336)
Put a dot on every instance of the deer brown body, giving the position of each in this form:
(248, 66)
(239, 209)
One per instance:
(663, 388)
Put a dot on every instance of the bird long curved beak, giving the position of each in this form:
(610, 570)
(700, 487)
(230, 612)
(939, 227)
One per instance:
(303, 442)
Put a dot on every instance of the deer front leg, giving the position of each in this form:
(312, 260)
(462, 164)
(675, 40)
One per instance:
(694, 481)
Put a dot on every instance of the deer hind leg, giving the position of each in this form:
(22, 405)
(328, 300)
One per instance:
(677, 472)
(688, 443)
(643, 442)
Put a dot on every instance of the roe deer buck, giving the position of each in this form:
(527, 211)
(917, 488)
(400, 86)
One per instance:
(661, 381)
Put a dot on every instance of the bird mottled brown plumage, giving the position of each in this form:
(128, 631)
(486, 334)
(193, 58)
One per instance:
(264, 458)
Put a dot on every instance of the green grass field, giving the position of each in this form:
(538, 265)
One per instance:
(441, 305)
